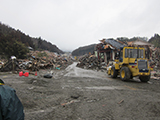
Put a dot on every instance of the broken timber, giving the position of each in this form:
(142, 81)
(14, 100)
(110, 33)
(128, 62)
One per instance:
(11, 65)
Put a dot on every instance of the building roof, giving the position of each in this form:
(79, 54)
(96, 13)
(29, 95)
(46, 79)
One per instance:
(140, 43)
(113, 43)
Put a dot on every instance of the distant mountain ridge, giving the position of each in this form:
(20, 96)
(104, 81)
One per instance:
(84, 50)
(155, 40)
(9, 34)
(35, 43)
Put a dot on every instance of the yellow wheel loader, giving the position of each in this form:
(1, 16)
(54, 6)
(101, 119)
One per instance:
(131, 63)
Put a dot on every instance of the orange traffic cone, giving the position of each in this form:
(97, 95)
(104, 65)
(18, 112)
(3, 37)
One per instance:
(36, 73)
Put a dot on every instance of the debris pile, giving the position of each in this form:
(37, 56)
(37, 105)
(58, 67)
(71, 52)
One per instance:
(91, 62)
(155, 63)
(35, 63)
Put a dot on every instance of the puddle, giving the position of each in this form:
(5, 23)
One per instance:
(111, 88)
(105, 87)
(73, 71)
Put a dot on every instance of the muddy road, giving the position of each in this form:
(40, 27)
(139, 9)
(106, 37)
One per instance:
(79, 94)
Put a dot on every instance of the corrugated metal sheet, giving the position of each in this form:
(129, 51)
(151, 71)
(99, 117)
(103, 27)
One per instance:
(114, 43)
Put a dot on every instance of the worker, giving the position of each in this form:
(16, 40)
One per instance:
(11, 107)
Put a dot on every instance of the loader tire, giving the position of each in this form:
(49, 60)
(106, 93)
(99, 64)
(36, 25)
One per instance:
(114, 72)
(144, 78)
(125, 73)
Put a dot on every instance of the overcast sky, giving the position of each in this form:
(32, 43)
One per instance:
(70, 24)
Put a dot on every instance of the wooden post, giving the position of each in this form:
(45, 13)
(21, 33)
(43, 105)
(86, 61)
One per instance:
(13, 64)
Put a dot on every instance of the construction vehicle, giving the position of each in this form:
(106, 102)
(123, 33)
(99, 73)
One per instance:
(131, 62)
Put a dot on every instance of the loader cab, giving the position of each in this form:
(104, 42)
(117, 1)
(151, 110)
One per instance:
(131, 54)
(134, 52)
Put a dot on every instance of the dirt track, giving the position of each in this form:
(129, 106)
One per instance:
(78, 94)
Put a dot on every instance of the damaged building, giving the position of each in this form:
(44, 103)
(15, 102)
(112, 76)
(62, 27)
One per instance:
(107, 48)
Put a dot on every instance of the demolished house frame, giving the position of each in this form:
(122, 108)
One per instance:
(106, 50)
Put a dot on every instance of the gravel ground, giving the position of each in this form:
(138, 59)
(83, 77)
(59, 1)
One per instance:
(78, 94)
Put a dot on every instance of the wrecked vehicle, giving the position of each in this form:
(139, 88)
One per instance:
(131, 62)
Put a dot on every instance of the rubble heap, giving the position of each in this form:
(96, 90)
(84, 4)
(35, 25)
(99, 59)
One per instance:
(155, 63)
(155, 60)
(44, 63)
(91, 62)
(34, 63)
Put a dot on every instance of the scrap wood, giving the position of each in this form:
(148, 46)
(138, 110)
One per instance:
(155, 78)
(121, 101)
(91, 62)
(70, 102)
(34, 63)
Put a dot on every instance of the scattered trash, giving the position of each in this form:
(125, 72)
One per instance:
(48, 75)
(35, 63)
(30, 88)
(36, 73)
(75, 96)
(93, 100)
(57, 68)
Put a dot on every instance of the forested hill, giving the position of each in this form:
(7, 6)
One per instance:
(84, 50)
(155, 40)
(9, 36)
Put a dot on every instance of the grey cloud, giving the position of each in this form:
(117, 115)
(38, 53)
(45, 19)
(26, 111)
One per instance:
(73, 23)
